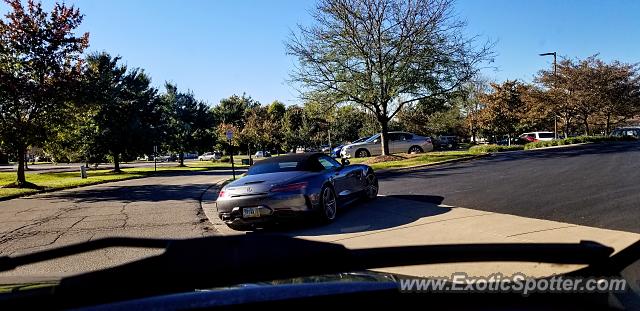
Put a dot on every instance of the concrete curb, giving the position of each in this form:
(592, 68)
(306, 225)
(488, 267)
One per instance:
(558, 147)
(542, 148)
(210, 211)
(473, 157)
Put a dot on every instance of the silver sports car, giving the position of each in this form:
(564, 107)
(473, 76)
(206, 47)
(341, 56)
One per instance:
(292, 185)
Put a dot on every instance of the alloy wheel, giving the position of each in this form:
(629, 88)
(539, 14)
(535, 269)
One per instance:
(415, 149)
(329, 201)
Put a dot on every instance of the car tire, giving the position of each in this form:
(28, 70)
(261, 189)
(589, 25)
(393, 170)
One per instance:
(362, 153)
(239, 227)
(371, 190)
(415, 149)
(328, 204)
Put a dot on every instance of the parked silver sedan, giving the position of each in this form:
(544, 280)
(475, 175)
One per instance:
(399, 142)
(293, 185)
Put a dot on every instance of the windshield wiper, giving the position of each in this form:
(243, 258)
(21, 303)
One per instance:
(223, 261)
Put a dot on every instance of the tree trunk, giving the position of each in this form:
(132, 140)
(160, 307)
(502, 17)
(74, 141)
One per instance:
(383, 137)
(116, 163)
(566, 127)
(586, 126)
(608, 127)
(181, 158)
(21, 181)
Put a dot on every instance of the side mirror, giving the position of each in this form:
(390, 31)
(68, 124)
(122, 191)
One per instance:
(375, 141)
(344, 162)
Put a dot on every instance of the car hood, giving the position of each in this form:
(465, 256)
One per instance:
(358, 144)
(262, 183)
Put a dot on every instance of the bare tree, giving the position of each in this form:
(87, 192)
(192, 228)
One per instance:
(383, 54)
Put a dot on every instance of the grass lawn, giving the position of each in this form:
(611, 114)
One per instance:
(417, 159)
(51, 181)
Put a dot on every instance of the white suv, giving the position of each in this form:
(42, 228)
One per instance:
(208, 156)
(537, 136)
(399, 142)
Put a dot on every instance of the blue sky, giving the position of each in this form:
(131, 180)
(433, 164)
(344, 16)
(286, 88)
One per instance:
(217, 48)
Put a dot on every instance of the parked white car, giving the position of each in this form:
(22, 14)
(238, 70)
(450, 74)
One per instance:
(208, 156)
(262, 154)
(399, 142)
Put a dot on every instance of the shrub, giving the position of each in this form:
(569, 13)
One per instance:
(494, 148)
(572, 141)
(538, 144)
(224, 159)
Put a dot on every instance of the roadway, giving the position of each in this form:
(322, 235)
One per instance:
(594, 185)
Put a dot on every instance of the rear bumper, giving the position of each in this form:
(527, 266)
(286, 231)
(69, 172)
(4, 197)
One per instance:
(272, 208)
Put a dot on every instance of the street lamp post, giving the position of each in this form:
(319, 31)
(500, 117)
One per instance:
(555, 76)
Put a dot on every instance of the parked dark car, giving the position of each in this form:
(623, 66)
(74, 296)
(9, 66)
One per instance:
(277, 188)
(514, 141)
(446, 142)
(627, 132)
(335, 152)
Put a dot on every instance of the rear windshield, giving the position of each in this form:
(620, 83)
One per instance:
(545, 135)
(274, 167)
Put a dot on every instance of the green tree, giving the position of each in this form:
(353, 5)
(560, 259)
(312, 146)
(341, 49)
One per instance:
(589, 89)
(232, 110)
(253, 134)
(190, 123)
(348, 122)
(39, 65)
(277, 109)
(470, 105)
(619, 89)
(504, 108)
(276, 112)
(383, 54)
(126, 113)
(292, 124)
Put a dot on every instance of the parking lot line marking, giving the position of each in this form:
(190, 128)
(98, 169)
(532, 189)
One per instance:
(536, 231)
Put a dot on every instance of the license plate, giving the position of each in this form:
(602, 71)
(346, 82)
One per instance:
(250, 212)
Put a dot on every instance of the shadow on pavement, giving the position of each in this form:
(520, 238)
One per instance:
(142, 190)
(137, 193)
(385, 212)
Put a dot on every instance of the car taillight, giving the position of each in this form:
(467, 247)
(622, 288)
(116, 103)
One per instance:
(289, 187)
(221, 194)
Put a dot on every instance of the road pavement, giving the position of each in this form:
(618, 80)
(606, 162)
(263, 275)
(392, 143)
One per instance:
(594, 185)
(164, 206)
